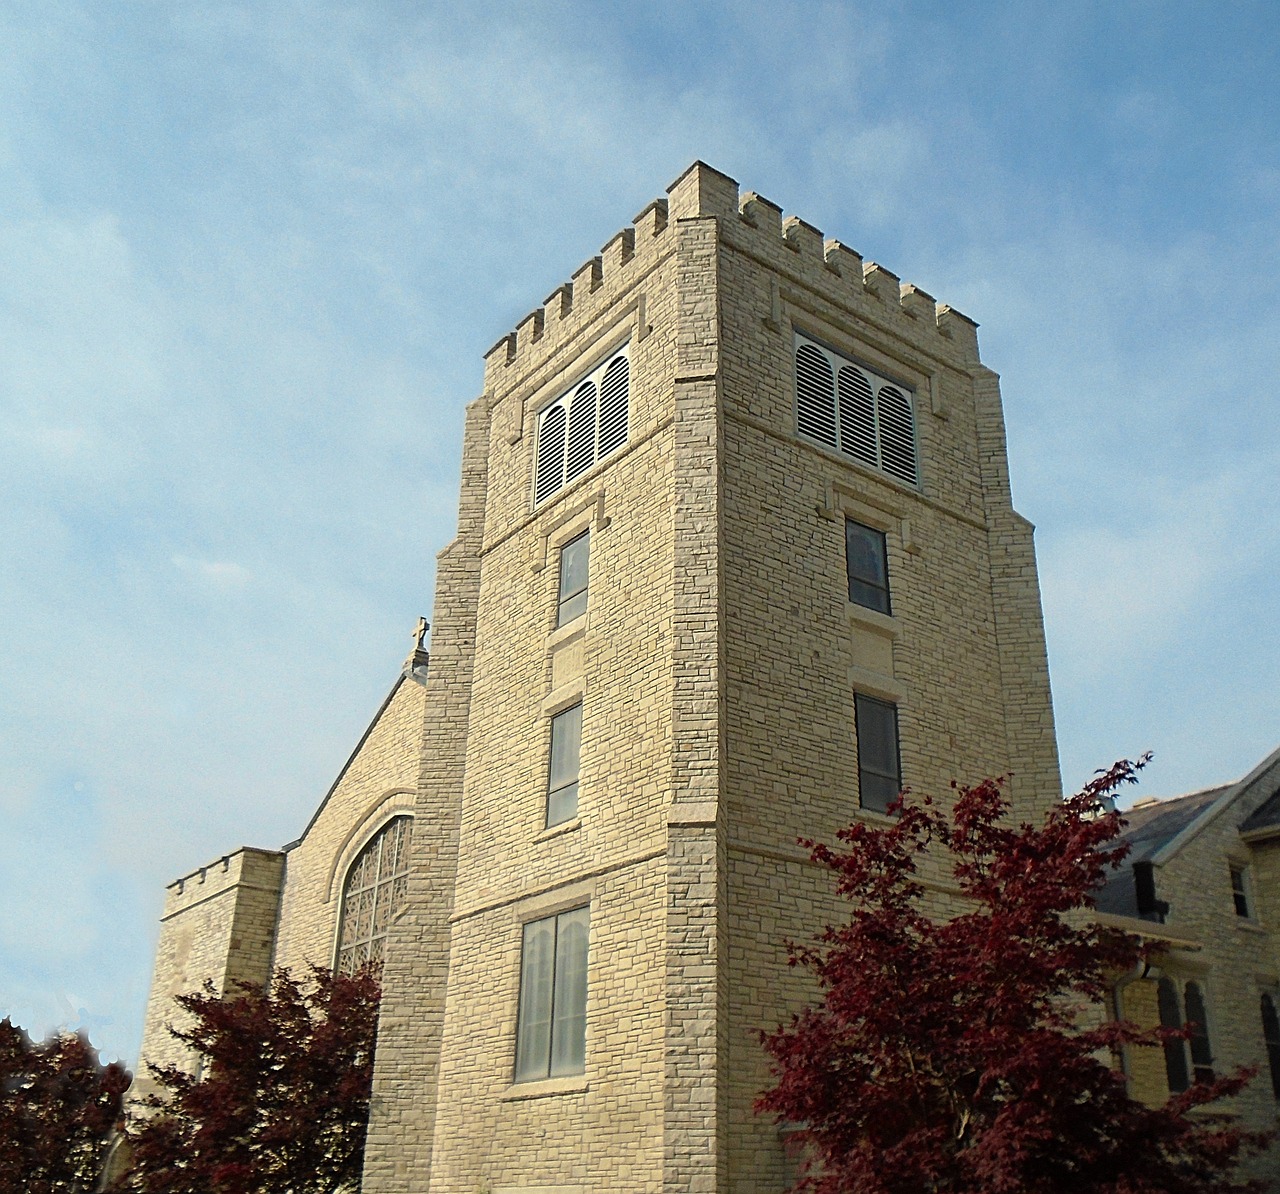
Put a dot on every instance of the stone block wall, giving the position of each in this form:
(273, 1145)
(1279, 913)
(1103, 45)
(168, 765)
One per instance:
(218, 925)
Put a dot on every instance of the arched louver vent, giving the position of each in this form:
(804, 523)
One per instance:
(862, 414)
(857, 415)
(897, 434)
(549, 475)
(613, 405)
(581, 452)
(583, 426)
(815, 396)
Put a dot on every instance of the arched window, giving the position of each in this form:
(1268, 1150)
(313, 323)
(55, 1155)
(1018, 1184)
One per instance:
(582, 426)
(1187, 1012)
(1175, 1051)
(372, 893)
(1271, 1034)
(852, 409)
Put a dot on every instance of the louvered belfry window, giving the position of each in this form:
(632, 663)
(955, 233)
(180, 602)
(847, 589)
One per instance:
(583, 425)
(846, 406)
(372, 894)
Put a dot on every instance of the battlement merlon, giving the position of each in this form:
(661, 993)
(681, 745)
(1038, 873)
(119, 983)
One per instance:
(703, 191)
(247, 867)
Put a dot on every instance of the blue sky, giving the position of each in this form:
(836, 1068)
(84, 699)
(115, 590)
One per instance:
(250, 257)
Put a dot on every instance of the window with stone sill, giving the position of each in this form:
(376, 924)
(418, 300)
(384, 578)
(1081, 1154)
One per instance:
(574, 575)
(551, 1026)
(879, 759)
(562, 771)
(372, 893)
(867, 566)
(1240, 891)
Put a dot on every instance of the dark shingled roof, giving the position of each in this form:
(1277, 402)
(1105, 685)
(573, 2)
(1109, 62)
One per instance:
(1153, 826)
(1265, 816)
(1150, 828)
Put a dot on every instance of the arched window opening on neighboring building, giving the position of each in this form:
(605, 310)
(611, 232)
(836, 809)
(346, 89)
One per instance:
(1185, 1010)
(1271, 1034)
(373, 892)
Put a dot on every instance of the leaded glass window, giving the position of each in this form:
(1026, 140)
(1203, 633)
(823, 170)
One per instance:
(372, 894)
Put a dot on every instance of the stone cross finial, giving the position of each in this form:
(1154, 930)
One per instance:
(418, 656)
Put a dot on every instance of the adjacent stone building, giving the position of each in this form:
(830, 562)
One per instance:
(1201, 884)
(736, 558)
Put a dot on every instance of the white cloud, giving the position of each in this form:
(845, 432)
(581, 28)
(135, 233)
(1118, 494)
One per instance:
(220, 575)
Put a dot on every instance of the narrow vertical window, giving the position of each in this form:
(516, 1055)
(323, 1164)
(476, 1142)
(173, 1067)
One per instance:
(1271, 1035)
(867, 564)
(551, 1030)
(1239, 893)
(1175, 1051)
(562, 782)
(573, 579)
(372, 894)
(1201, 1050)
(879, 763)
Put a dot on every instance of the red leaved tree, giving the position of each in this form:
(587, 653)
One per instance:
(283, 1103)
(950, 1055)
(58, 1111)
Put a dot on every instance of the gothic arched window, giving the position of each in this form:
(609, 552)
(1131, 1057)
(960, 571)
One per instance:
(373, 891)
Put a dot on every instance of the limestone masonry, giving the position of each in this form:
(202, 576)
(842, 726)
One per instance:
(736, 555)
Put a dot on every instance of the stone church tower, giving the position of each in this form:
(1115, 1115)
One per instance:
(736, 558)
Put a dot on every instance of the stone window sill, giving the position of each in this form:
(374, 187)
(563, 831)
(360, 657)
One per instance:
(571, 1084)
(556, 830)
(872, 619)
(570, 630)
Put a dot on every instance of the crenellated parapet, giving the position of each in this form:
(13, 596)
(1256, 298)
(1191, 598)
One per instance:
(625, 256)
(756, 225)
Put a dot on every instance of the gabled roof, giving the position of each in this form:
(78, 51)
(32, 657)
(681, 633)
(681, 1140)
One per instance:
(415, 670)
(1151, 827)
(1158, 830)
(1265, 816)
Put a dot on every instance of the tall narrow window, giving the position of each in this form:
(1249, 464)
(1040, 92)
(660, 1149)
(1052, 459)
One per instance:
(373, 892)
(1239, 893)
(562, 782)
(573, 579)
(879, 763)
(551, 1030)
(1190, 1014)
(867, 563)
(1175, 1051)
(1271, 1035)
(1201, 1051)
